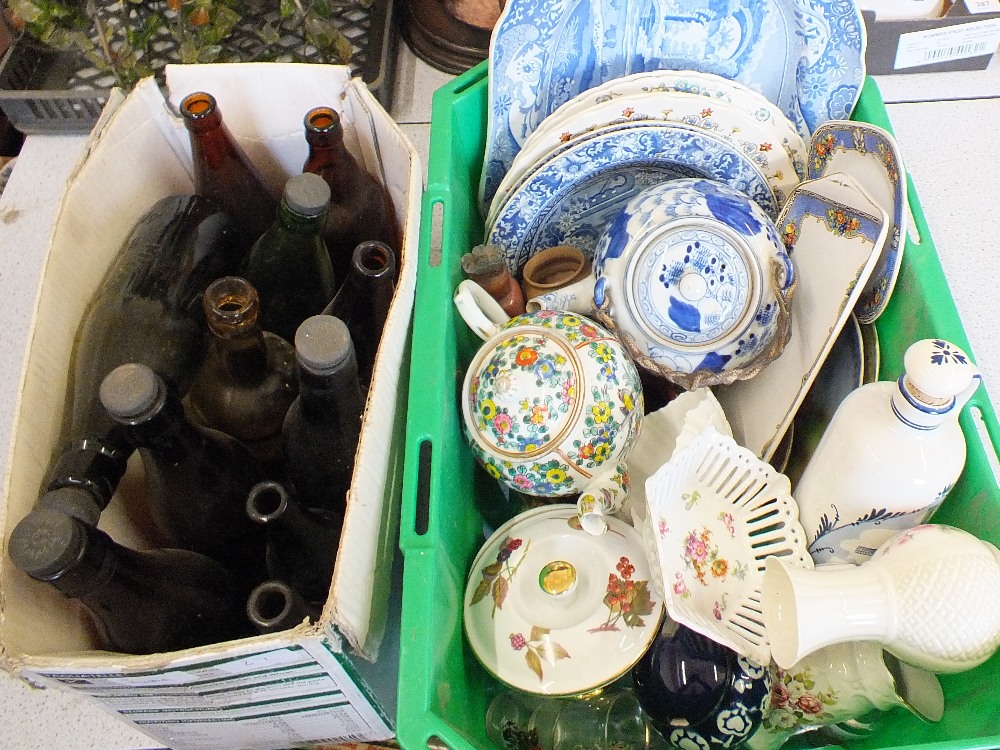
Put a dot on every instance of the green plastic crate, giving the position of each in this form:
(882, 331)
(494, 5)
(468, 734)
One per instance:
(443, 691)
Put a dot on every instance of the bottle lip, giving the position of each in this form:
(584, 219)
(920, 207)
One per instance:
(198, 105)
(325, 120)
(231, 305)
(375, 258)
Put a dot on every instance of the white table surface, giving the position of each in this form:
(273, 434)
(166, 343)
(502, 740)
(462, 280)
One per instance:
(946, 126)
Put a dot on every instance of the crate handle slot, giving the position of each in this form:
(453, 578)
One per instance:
(421, 521)
(437, 234)
(982, 432)
(436, 743)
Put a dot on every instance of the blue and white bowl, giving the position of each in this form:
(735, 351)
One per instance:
(692, 270)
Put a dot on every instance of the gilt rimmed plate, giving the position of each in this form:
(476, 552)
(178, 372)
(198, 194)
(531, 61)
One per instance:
(553, 610)
(833, 231)
(870, 155)
(569, 199)
(807, 56)
(717, 512)
(778, 154)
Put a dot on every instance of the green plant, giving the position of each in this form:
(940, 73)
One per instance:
(131, 39)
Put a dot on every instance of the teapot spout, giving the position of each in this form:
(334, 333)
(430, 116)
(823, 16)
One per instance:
(577, 297)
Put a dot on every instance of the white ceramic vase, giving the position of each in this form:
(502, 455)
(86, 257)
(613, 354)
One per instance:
(930, 596)
(839, 683)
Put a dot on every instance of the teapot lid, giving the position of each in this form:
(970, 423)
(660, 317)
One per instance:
(694, 284)
(524, 393)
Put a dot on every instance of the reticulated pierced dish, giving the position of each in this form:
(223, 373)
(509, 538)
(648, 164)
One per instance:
(717, 512)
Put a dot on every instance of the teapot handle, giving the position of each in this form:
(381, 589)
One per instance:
(478, 309)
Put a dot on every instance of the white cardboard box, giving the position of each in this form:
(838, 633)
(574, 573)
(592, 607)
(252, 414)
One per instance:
(301, 686)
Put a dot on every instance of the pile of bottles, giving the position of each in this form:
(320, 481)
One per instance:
(230, 346)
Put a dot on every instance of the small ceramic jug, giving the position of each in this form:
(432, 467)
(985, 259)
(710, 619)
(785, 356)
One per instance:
(841, 683)
(695, 276)
(551, 404)
(930, 596)
(553, 268)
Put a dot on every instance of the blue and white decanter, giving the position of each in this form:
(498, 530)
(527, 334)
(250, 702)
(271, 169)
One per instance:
(890, 455)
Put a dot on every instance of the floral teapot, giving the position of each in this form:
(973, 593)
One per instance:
(551, 404)
(693, 276)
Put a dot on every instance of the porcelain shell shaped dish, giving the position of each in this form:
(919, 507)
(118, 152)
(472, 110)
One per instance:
(552, 610)
(805, 55)
(717, 513)
(687, 270)
(571, 198)
(550, 401)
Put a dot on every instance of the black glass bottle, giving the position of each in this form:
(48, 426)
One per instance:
(289, 265)
(247, 380)
(274, 606)
(322, 428)
(301, 542)
(196, 479)
(142, 602)
(222, 170)
(363, 301)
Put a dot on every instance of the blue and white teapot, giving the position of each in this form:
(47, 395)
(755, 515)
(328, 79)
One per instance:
(694, 276)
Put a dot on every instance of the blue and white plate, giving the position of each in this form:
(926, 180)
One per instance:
(569, 199)
(807, 56)
(870, 155)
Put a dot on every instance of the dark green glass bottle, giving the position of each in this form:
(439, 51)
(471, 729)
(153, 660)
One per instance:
(196, 479)
(275, 606)
(142, 602)
(247, 381)
(289, 265)
(323, 426)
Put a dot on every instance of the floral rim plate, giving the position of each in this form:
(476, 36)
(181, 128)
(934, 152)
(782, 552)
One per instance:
(712, 103)
(717, 513)
(807, 56)
(869, 155)
(833, 231)
(552, 610)
(571, 198)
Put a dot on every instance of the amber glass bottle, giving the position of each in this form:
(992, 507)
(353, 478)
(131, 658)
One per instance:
(222, 170)
(275, 606)
(360, 208)
(301, 542)
(247, 381)
(322, 428)
(289, 265)
(147, 309)
(363, 301)
(197, 479)
(143, 602)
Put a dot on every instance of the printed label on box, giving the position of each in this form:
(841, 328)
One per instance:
(951, 43)
(267, 699)
(983, 6)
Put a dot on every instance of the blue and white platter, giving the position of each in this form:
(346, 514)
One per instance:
(570, 198)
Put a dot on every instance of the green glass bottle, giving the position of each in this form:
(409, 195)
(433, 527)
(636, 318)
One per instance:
(247, 380)
(142, 602)
(289, 265)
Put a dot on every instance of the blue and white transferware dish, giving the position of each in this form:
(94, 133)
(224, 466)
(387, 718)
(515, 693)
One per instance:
(686, 271)
(571, 198)
(807, 56)
(833, 231)
(870, 155)
(715, 104)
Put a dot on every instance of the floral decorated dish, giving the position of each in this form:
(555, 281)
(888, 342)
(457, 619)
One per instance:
(870, 155)
(717, 512)
(552, 610)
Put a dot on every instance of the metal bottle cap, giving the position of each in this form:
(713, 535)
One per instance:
(130, 390)
(322, 343)
(307, 194)
(46, 542)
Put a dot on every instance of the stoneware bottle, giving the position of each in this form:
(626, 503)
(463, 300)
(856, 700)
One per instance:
(930, 596)
(890, 455)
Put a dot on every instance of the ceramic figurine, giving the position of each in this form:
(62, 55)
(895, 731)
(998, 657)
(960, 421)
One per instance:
(840, 683)
(551, 404)
(930, 596)
(890, 455)
(694, 274)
